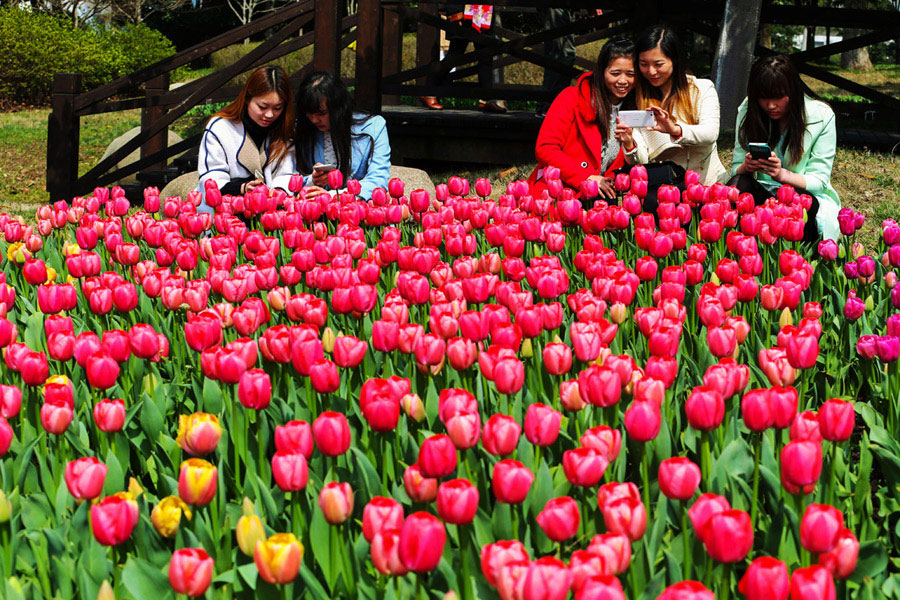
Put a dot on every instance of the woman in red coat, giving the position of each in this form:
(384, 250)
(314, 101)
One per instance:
(581, 135)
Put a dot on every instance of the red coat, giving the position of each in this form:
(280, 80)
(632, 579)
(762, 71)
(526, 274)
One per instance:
(570, 139)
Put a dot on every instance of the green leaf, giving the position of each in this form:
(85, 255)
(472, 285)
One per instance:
(115, 477)
(144, 581)
(873, 559)
(34, 331)
(212, 397)
(313, 584)
(319, 537)
(367, 473)
(151, 419)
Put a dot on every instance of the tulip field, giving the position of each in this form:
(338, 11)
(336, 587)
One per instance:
(476, 395)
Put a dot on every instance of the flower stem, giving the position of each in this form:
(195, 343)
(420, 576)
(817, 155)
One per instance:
(757, 451)
(686, 540)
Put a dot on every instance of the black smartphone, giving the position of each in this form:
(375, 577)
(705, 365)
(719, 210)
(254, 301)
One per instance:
(759, 151)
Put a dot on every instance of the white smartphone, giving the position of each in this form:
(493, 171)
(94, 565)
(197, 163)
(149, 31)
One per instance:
(325, 168)
(637, 118)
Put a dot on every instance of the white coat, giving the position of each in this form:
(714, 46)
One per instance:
(226, 153)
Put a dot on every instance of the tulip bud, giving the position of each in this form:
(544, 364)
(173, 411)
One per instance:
(190, 571)
(413, 407)
(249, 531)
(336, 502)
(278, 558)
(678, 478)
(560, 518)
(418, 487)
(197, 481)
(166, 516)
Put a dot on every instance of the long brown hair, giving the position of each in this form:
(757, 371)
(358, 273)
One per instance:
(600, 94)
(775, 77)
(680, 100)
(263, 81)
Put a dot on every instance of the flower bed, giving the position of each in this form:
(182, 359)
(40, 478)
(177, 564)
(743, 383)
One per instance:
(484, 394)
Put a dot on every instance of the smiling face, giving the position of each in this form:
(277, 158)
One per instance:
(265, 108)
(619, 76)
(320, 119)
(656, 67)
(775, 108)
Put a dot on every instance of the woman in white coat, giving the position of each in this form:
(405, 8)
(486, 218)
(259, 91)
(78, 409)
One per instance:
(250, 141)
(686, 107)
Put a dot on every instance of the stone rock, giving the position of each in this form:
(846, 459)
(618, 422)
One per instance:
(181, 185)
(414, 179)
(120, 141)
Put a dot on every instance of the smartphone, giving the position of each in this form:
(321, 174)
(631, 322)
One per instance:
(759, 151)
(324, 168)
(637, 118)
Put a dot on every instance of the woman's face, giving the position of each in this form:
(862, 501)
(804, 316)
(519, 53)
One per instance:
(776, 108)
(619, 76)
(655, 66)
(265, 108)
(320, 119)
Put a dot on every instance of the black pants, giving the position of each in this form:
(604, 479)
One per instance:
(747, 184)
(487, 75)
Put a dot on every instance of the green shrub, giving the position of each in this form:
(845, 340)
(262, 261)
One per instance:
(34, 46)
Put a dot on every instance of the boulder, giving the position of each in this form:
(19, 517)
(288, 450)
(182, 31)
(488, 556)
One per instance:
(181, 185)
(414, 179)
(120, 141)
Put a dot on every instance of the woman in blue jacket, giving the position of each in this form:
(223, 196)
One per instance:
(330, 133)
(800, 132)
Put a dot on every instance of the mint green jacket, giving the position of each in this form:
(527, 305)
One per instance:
(819, 144)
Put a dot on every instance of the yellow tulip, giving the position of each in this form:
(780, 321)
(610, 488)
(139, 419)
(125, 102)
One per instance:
(199, 433)
(197, 481)
(166, 515)
(278, 558)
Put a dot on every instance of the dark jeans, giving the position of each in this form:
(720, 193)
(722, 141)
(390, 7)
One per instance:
(561, 49)
(747, 184)
(487, 75)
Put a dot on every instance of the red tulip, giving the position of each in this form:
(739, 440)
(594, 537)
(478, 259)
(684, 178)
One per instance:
(437, 456)
(511, 481)
(765, 579)
(643, 420)
(102, 370)
(56, 416)
(418, 487)
(547, 578)
(509, 375)
(836, 420)
(812, 583)
(841, 560)
(190, 571)
(10, 401)
(255, 389)
(705, 408)
(557, 358)
(625, 515)
(686, 590)
(84, 478)
(584, 466)
(464, 430)
(820, 528)
(34, 368)
(614, 549)
(560, 518)
(457, 501)
(606, 441)
(380, 514)
(290, 470)
(422, 541)
(757, 410)
(324, 377)
(331, 433)
(678, 478)
(501, 435)
(729, 535)
(113, 519)
(802, 349)
(336, 502)
(385, 551)
(109, 415)
(702, 511)
(542, 424)
(294, 435)
(801, 465)
(600, 587)
(499, 554)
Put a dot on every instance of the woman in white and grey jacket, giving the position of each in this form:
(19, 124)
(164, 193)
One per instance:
(686, 107)
(250, 141)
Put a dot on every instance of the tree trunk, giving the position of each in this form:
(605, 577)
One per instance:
(855, 60)
(765, 35)
(734, 55)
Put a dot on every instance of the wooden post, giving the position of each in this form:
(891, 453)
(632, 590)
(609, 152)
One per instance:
(392, 50)
(155, 88)
(327, 37)
(368, 56)
(734, 55)
(63, 131)
(426, 40)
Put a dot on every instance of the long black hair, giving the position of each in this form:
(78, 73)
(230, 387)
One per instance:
(602, 99)
(679, 102)
(775, 77)
(316, 87)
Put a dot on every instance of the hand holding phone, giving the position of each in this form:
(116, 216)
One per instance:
(759, 151)
(324, 168)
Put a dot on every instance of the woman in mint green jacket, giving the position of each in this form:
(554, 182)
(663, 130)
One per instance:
(801, 133)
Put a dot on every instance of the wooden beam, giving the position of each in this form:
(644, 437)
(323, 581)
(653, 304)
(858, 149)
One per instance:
(830, 17)
(427, 39)
(83, 185)
(471, 90)
(188, 55)
(211, 83)
(155, 87)
(851, 86)
(369, 56)
(392, 54)
(63, 131)
(873, 37)
(492, 46)
(326, 52)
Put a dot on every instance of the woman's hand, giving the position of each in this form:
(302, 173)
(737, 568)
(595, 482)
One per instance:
(320, 178)
(314, 190)
(625, 135)
(772, 167)
(665, 123)
(604, 186)
(248, 187)
(750, 165)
